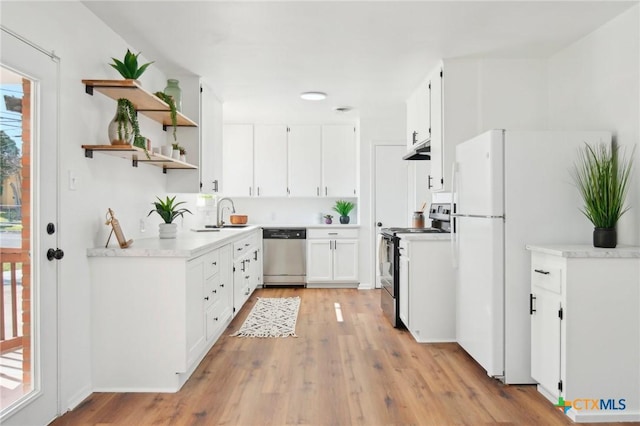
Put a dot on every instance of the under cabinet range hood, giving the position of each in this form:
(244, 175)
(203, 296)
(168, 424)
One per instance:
(420, 151)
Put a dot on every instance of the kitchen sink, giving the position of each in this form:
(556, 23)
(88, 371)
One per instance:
(229, 226)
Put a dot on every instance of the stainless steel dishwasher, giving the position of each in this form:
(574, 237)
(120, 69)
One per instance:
(284, 251)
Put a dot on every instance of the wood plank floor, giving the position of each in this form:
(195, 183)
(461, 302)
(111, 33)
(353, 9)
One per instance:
(358, 372)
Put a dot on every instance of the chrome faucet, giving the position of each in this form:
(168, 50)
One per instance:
(219, 221)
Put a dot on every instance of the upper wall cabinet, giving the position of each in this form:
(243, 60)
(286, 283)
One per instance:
(237, 160)
(339, 161)
(305, 161)
(270, 160)
(419, 115)
(297, 161)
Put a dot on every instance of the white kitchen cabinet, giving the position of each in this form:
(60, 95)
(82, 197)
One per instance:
(237, 156)
(247, 268)
(332, 257)
(427, 287)
(305, 161)
(339, 161)
(419, 114)
(218, 296)
(270, 160)
(585, 329)
(156, 309)
(436, 177)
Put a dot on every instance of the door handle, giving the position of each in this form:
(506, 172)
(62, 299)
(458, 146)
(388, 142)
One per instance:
(379, 224)
(54, 254)
(429, 186)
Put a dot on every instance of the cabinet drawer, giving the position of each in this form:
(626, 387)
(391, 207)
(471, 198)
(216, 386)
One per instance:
(216, 317)
(546, 273)
(211, 263)
(244, 245)
(332, 233)
(211, 290)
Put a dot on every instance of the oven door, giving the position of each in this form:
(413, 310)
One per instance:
(386, 264)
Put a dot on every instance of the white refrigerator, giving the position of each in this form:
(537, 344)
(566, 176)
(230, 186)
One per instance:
(511, 188)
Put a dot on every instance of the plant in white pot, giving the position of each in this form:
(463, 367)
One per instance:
(602, 178)
(168, 211)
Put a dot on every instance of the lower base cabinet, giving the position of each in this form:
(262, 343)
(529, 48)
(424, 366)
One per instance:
(332, 257)
(585, 330)
(427, 289)
(154, 318)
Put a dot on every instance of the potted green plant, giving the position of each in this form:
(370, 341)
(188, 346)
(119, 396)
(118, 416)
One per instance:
(124, 128)
(168, 211)
(343, 208)
(128, 67)
(602, 178)
(328, 219)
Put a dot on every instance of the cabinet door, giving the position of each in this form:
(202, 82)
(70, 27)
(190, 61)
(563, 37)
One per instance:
(339, 161)
(423, 107)
(345, 260)
(237, 160)
(404, 290)
(437, 176)
(305, 159)
(194, 310)
(270, 160)
(319, 260)
(545, 340)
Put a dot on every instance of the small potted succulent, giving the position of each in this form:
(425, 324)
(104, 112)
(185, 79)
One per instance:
(602, 178)
(128, 67)
(328, 219)
(343, 208)
(168, 211)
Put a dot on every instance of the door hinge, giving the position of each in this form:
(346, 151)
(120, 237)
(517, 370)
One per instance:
(560, 385)
(561, 313)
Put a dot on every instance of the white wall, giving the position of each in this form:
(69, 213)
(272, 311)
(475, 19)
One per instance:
(85, 46)
(594, 84)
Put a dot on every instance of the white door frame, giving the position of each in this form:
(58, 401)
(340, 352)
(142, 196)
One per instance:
(372, 210)
(42, 405)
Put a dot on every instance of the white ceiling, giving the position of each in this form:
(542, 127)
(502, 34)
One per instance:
(258, 56)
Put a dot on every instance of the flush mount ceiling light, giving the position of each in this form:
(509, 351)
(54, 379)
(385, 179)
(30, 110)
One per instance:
(313, 96)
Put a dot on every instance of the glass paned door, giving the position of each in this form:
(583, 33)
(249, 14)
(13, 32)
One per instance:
(28, 202)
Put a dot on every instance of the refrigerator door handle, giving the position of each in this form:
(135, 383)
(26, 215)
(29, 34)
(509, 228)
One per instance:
(454, 235)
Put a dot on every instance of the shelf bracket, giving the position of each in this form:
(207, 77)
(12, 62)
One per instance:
(164, 169)
(88, 89)
(134, 161)
(88, 153)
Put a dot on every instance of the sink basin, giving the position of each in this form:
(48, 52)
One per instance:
(231, 226)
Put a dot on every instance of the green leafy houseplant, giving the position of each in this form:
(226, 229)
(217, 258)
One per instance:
(128, 67)
(125, 127)
(602, 178)
(168, 209)
(343, 208)
(173, 112)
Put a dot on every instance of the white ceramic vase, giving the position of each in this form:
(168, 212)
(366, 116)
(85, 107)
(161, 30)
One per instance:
(168, 230)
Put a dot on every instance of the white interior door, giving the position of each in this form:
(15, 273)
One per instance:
(36, 73)
(390, 177)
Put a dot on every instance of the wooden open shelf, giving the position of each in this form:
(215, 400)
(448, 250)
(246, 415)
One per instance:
(145, 102)
(136, 155)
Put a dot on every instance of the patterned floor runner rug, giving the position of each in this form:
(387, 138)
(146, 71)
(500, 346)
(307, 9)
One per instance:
(271, 317)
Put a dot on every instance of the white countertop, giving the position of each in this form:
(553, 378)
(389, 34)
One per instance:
(191, 243)
(587, 251)
(417, 236)
(187, 244)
